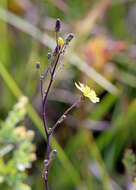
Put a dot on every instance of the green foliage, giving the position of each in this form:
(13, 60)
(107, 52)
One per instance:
(129, 161)
(76, 153)
(16, 149)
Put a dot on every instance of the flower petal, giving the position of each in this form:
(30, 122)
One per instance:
(87, 92)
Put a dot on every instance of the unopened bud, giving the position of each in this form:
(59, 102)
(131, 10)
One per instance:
(38, 65)
(54, 151)
(69, 37)
(49, 55)
(41, 77)
(53, 154)
(57, 25)
(46, 162)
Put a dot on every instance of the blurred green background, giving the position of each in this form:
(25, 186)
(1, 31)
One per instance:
(96, 144)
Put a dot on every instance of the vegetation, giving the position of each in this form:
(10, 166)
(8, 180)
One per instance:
(16, 149)
(96, 142)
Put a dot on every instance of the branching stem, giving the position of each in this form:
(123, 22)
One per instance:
(63, 116)
(44, 100)
(52, 67)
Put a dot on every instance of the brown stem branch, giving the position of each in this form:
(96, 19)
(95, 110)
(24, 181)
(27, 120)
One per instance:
(63, 116)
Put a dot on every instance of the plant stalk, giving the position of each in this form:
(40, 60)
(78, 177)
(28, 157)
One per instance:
(47, 167)
(44, 100)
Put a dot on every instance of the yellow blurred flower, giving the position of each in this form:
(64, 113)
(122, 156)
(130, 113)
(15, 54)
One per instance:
(88, 92)
(60, 41)
(134, 182)
(20, 131)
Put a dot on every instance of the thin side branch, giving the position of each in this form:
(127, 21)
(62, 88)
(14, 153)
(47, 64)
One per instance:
(51, 80)
(63, 116)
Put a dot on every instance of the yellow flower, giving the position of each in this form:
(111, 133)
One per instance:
(134, 182)
(88, 92)
(60, 41)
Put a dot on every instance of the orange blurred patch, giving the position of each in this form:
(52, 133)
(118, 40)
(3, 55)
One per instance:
(100, 50)
(14, 7)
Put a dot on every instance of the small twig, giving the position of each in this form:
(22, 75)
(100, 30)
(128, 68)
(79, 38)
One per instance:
(52, 76)
(57, 38)
(51, 80)
(46, 72)
(61, 61)
(41, 81)
(63, 116)
(49, 67)
(43, 112)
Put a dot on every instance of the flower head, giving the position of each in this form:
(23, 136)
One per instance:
(60, 41)
(88, 92)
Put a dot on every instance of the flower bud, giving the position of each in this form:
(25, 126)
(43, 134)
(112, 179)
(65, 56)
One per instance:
(57, 25)
(46, 162)
(38, 65)
(53, 154)
(49, 55)
(69, 37)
